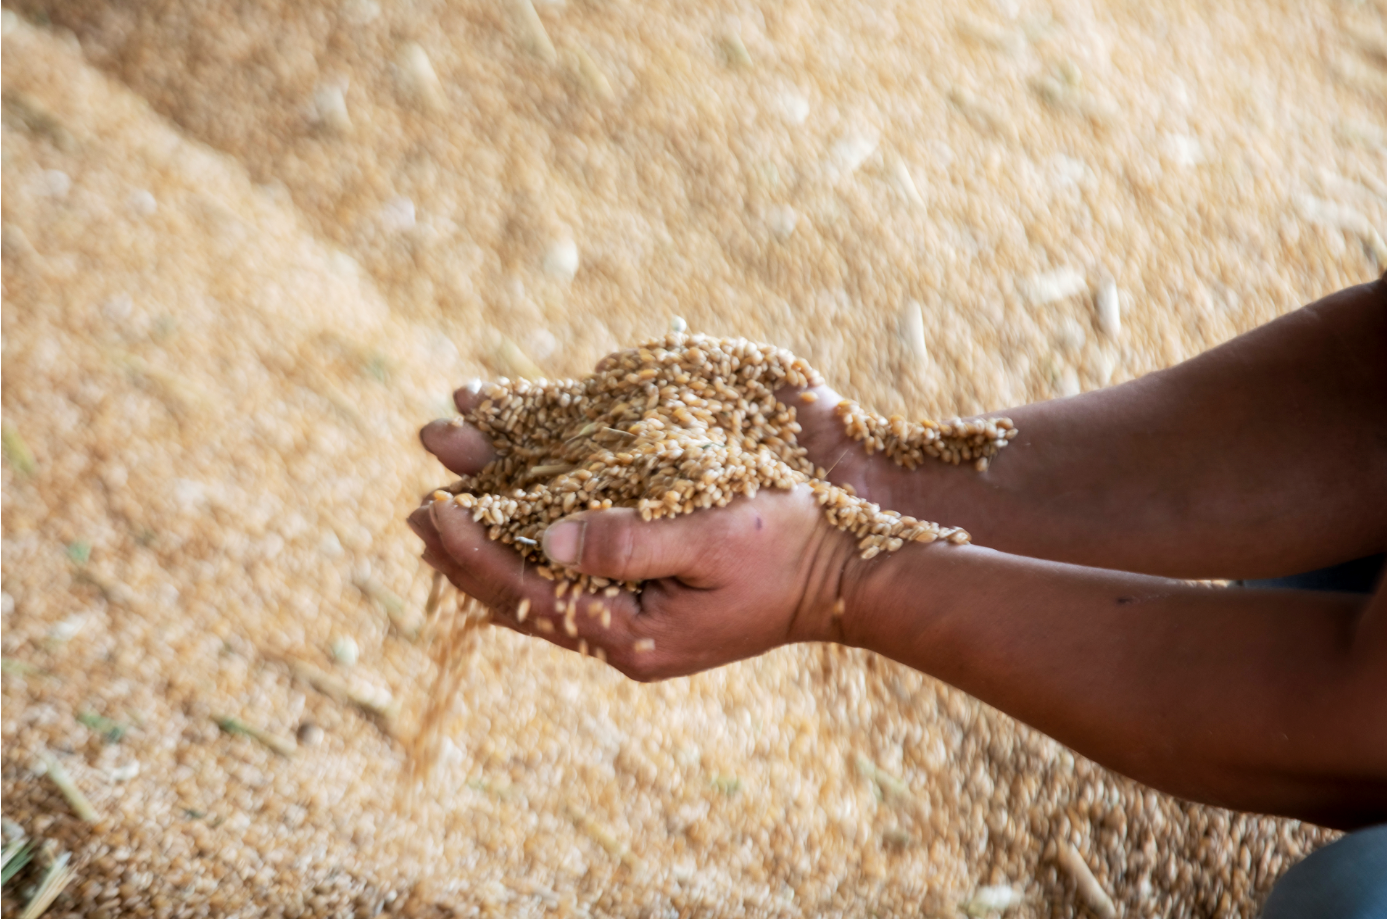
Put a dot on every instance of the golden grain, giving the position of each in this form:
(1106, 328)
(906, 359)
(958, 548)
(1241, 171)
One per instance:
(212, 550)
(683, 423)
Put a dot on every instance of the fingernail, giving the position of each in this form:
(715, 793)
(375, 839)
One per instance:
(563, 541)
(429, 434)
(468, 396)
(416, 522)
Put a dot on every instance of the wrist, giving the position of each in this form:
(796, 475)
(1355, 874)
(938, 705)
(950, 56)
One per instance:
(825, 582)
(892, 599)
(863, 587)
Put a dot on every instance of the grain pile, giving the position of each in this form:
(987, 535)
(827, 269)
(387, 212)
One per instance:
(215, 360)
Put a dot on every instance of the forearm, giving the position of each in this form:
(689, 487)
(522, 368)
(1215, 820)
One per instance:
(1258, 700)
(1263, 457)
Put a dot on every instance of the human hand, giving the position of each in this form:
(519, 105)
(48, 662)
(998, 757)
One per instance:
(721, 584)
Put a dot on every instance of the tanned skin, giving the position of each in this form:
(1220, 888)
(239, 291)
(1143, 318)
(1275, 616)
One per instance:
(1265, 456)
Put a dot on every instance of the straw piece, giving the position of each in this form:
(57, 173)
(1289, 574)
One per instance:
(394, 606)
(604, 838)
(79, 803)
(591, 74)
(17, 452)
(17, 853)
(533, 37)
(886, 783)
(281, 745)
(515, 362)
(55, 881)
(992, 899)
(379, 704)
(1079, 872)
(110, 731)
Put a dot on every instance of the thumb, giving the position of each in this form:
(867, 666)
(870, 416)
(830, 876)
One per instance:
(618, 544)
(821, 428)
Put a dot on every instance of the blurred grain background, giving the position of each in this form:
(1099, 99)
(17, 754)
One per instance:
(249, 248)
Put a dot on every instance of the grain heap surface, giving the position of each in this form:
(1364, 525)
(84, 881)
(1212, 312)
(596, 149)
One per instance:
(312, 217)
(681, 423)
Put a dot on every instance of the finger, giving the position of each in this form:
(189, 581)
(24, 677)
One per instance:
(618, 544)
(459, 446)
(815, 407)
(421, 522)
(468, 397)
(458, 546)
(498, 577)
(821, 433)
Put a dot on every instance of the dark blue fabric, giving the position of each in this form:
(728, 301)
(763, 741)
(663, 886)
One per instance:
(1347, 879)
(1359, 576)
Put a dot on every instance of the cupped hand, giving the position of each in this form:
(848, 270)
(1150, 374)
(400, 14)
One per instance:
(720, 585)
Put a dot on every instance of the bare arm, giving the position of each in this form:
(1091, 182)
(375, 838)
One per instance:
(1272, 701)
(1266, 456)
